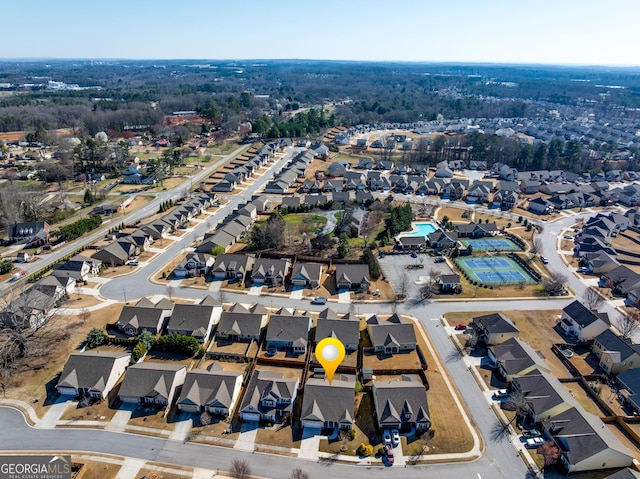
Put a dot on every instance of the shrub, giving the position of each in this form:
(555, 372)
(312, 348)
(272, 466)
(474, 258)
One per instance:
(138, 352)
(96, 337)
(352, 434)
(358, 386)
(365, 449)
(178, 343)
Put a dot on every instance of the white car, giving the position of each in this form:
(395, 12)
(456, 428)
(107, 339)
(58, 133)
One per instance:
(395, 436)
(534, 442)
(501, 394)
(544, 260)
(386, 437)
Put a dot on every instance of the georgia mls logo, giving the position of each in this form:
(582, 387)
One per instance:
(35, 467)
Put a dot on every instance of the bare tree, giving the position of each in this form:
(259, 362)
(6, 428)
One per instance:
(554, 284)
(205, 418)
(84, 315)
(536, 244)
(240, 469)
(517, 402)
(403, 287)
(592, 298)
(222, 297)
(298, 473)
(628, 323)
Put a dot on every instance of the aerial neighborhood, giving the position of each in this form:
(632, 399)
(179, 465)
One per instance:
(471, 267)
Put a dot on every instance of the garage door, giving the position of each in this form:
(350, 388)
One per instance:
(250, 416)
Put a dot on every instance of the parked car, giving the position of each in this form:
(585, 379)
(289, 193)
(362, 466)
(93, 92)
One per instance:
(461, 327)
(271, 351)
(544, 260)
(388, 452)
(395, 436)
(582, 269)
(133, 263)
(529, 433)
(500, 394)
(534, 443)
(568, 237)
(386, 437)
(319, 300)
(414, 255)
(440, 259)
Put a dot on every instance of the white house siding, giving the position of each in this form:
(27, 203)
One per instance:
(250, 416)
(607, 459)
(189, 408)
(67, 391)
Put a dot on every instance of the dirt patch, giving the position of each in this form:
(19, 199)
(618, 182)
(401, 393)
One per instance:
(162, 473)
(454, 214)
(79, 301)
(36, 375)
(91, 469)
(279, 435)
(536, 329)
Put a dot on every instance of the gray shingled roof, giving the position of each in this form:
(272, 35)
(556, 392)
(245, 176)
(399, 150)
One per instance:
(90, 369)
(495, 323)
(345, 330)
(329, 402)
(265, 384)
(209, 388)
(288, 328)
(240, 324)
(149, 379)
(581, 314)
(140, 317)
(404, 401)
(190, 317)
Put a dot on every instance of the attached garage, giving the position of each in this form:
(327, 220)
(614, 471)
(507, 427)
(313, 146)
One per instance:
(250, 416)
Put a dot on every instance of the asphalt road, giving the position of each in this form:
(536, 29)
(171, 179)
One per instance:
(505, 464)
(147, 210)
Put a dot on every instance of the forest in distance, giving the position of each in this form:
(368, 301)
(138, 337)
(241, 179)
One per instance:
(576, 114)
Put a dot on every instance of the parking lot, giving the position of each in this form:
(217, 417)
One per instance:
(395, 266)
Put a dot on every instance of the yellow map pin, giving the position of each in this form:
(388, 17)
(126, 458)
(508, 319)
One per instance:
(330, 353)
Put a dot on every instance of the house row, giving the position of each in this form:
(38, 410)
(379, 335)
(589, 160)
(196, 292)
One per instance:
(583, 441)
(263, 156)
(232, 228)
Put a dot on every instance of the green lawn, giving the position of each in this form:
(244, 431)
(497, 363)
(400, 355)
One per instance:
(315, 221)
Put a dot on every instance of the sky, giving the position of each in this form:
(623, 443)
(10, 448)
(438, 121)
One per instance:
(570, 32)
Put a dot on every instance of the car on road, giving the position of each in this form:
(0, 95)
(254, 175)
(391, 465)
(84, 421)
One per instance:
(544, 259)
(388, 452)
(133, 263)
(534, 442)
(582, 269)
(461, 327)
(395, 436)
(500, 394)
(568, 237)
(319, 300)
(440, 259)
(386, 437)
(529, 433)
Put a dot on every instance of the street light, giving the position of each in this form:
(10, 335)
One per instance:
(125, 296)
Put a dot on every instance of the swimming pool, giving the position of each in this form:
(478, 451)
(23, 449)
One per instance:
(420, 229)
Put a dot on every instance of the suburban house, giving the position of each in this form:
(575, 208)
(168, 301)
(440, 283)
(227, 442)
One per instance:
(353, 276)
(621, 279)
(391, 336)
(615, 354)
(31, 234)
(213, 390)
(494, 328)
(232, 266)
(193, 265)
(629, 382)
(401, 404)
(240, 326)
(540, 206)
(62, 284)
(288, 332)
(346, 330)
(92, 373)
(450, 283)
(269, 397)
(545, 395)
(79, 267)
(584, 442)
(152, 383)
(307, 275)
(411, 242)
(135, 319)
(220, 239)
(272, 272)
(328, 406)
(193, 320)
(31, 309)
(515, 358)
(117, 253)
(578, 320)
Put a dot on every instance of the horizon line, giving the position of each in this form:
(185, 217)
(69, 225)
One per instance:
(328, 60)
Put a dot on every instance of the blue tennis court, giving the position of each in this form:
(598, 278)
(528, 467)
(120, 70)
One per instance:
(491, 244)
(494, 270)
